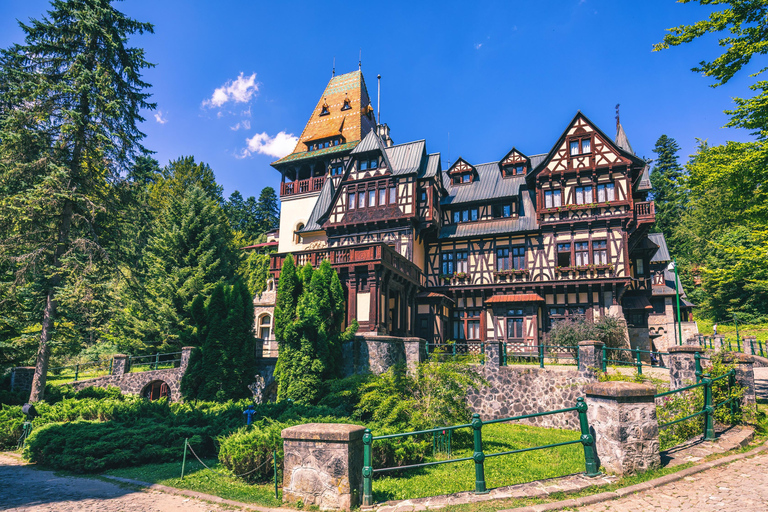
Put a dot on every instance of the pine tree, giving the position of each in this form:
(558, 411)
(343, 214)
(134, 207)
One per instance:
(267, 211)
(666, 180)
(182, 174)
(69, 108)
(188, 254)
(224, 362)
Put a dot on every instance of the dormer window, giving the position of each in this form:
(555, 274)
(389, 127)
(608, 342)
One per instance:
(346, 104)
(324, 109)
(372, 163)
(580, 146)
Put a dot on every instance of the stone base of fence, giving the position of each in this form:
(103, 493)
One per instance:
(323, 465)
(590, 355)
(682, 365)
(21, 378)
(745, 375)
(622, 419)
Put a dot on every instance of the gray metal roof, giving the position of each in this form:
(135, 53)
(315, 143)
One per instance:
(537, 159)
(662, 255)
(525, 222)
(668, 288)
(407, 158)
(321, 206)
(432, 167)
(644, 183)
(372, 142)
(622, 141)
(490, 184)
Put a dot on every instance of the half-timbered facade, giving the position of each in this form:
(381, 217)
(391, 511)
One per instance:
(475, 252)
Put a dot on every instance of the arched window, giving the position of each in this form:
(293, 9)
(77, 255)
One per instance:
(297, 236)
(265, 325)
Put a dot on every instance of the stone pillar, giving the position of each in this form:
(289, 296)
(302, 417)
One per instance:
(590, 355)
(718, 342)
(622, 416)
(415, 352)
(323, 465)
(492, 355)
(745, 375)
(682, 365)
(21, 378)
(186, 352)
(747, 343)
(119, 364)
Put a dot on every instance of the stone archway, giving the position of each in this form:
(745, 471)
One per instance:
(155, 390)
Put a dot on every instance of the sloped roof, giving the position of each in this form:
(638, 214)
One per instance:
(353, 124)
(319, 152)
(668, 288)
(407, 158)
(372, 142)
(622, 141)
(644, 183)
(637, 302)
(662, 254)
(432, 167)
(525, 222)
(490, 184)
(515, 297)
(321, 206)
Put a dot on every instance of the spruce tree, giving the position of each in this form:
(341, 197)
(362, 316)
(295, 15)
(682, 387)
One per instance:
(70, 98)
(188, 254)
(267, 210)
(666, 180)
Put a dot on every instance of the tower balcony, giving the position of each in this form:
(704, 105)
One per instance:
(306, 186)
(645, 212)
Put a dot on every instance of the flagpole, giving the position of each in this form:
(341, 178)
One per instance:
(679, 318)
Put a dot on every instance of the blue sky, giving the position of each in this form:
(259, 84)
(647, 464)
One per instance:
(473, 79)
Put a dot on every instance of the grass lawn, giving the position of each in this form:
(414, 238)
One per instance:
(499, 471)
(729, 329)
(197, 478)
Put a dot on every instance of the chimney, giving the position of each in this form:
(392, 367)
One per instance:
(382, 130)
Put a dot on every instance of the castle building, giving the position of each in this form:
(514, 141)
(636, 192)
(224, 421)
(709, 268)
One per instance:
(475, 252)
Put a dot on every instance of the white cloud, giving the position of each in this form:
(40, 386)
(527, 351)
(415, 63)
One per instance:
(239, 90)
(278, 146)
(478, 46)
(159, 117)
(244, 124)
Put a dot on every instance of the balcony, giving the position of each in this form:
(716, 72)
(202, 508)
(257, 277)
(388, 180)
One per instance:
(302, 186)
(379, 253)
(645, 212)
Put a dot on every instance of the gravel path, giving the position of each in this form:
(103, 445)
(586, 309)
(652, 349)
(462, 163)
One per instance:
(741, 486)
(33, 490)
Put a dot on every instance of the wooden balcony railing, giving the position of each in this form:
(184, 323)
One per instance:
(645, 211)
(360, 254)
(302, 186)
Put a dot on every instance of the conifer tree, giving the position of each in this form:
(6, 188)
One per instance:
(667, 183)
(188, 254)
(267, 210)
(224, 362)
(70, 98)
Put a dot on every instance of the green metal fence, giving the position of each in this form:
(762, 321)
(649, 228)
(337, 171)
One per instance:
(708, 409)
(586, 440)
(153, 362)
(75, 372)
(631, 357)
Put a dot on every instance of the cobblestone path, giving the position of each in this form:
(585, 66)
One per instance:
(26, 489)
(740, 486)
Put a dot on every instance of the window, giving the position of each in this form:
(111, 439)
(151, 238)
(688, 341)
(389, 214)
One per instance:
(520, 169)
(518, 258)
(466, 325)
(563, 255)
(382, 196)
(606, 193)
(636, 319)
(506, 210)
(324, 111)
(374, 163)
(465, 215)
(447, 266)
(659, 308)
(503, 210)
(461, 261)
(580, 147)
(558, 313)
(466, 178)
(553, 198)
(361, 199)
(337, 169)
(371, 163)
(582, 253)
(515, 324)
(639, 267)
(371, 198)
(346, 105)
(584, 195)
(456, 217)
(392, 195)
(264, 327)
(296, 235)
(423, 196)
(351, 201)
(600, 252)
(502, 258)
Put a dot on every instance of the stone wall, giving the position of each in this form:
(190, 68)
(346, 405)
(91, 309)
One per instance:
(376, 354)
(519, 390)
(21, 378)
(134, 383)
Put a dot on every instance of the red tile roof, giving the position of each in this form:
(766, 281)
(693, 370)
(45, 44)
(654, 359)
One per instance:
(518, 297)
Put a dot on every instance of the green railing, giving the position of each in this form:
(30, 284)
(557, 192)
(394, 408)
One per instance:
(633, 357)
(478, 456)
(556, 352)
(741, 344)
(708, 409)
(153, 362)
(75, 372)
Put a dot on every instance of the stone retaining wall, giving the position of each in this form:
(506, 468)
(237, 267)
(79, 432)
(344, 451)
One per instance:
(376, 354)
(134, 383)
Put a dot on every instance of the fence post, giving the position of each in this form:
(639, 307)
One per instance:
(504, 354)
(77, 371)
(541, 355)
(639, 362)
(478, 455)
(367, 469)
(709, 423)
(697, 359)
(274, 466)
(731, 383)
(760, 344)
(586, 439)
(604, 359)
(184, 459)
(738, 344)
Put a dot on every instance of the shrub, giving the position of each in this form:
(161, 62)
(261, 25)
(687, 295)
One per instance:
(248, 451)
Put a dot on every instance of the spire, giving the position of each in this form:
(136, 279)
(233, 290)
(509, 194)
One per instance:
(333, 72)
(621, 137)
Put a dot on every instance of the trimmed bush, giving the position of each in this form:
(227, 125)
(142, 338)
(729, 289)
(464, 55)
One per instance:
(248, 451)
